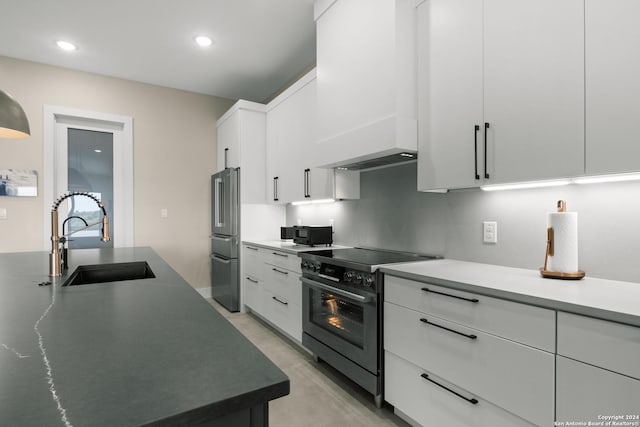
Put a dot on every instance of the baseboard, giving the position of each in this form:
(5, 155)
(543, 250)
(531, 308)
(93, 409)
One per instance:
(205, 292)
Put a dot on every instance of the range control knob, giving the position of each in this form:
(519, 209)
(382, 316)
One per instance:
(348, 276)
(358, 278)
(315, 267)
(305, 265)
(368, 281)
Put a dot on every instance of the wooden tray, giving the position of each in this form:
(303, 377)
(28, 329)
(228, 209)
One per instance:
(559, 275)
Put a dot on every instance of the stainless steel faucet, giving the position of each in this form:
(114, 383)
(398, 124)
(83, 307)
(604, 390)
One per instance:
(55, 264)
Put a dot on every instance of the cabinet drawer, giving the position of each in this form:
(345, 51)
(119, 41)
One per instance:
(432, 405)
(253, 297)
(487, 365)
(284, 260)
(253, 259)
(284, 314)
(283, 283)
(586, 392)
(523, 323)
(610, 345)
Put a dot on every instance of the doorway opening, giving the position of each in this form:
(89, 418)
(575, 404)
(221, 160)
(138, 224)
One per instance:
(89, 152)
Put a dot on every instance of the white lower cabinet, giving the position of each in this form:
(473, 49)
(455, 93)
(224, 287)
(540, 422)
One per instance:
(513, 383)
(587, 393)
(272, 288)
(597, 370)
(438, 402)
(253, 293)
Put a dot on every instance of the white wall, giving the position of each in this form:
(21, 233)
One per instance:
(392, 214)
(174, 156)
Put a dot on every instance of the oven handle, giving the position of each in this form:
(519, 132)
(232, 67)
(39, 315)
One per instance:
(336, 291)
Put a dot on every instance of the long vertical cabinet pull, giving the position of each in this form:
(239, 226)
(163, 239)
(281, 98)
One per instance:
(226, 157)
(475, 147)
(307, 191)
(486, 173)
(275, 188)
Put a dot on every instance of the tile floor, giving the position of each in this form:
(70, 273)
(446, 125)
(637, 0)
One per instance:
(320, 396)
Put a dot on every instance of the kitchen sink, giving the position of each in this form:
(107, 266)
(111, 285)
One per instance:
(104, 273)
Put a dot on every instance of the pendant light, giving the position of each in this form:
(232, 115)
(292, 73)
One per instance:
(13, 120)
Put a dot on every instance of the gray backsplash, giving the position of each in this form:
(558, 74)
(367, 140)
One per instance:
(391, 214)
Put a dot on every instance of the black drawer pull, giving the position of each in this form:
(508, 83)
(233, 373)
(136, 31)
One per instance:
(280, 301)
(252, 248)
(471, 337)
(279, 254)
(426, 377)
(474, 300)
(251, 280)
(280, 271)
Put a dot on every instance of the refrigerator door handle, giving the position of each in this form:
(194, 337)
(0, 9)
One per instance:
(219, 202)
(222, 260)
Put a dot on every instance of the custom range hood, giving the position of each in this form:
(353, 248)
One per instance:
(376, 162)
(366, 83)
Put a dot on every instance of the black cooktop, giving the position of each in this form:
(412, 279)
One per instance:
(355, 257)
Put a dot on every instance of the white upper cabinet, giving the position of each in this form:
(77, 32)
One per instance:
(613, 89)
(292, 150)
(501, 91)
(241, 143)
(365, 79)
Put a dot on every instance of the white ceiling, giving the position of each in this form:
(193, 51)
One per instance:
(259, 45)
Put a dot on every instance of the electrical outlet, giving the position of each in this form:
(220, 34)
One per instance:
(164, 213)
(3, 213)
(490, 232)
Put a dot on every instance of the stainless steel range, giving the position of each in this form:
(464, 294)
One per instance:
(342, 310)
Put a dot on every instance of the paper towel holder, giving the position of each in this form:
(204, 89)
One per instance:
(562, 207)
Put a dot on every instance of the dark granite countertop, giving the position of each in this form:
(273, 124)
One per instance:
(128, 353)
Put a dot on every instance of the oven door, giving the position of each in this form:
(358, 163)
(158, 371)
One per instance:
(344, 320)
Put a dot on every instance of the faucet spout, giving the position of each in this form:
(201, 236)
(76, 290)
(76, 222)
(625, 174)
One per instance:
(55, 264)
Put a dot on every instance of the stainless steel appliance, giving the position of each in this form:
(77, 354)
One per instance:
(225, 229)
(342, 310)
(312, 235)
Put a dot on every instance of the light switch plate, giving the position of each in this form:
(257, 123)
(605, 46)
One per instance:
(490, 232)
(3, 213)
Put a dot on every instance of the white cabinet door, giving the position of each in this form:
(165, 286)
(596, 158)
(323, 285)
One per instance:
(613, 89)
(450, 94)
(501, 91)
(229, 142)
(534, 88)
(585, 393)
(432, 401)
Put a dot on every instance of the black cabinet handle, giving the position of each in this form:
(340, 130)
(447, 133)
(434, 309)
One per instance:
(473, 401)
(474, 300)
(226, 152)
(486, 126)
(475, 148)
(279, 254)
(307, 191)
(252, 248)
(275, 188)
(280, 301)
(251, 280)
(471, 337)
(280, 271)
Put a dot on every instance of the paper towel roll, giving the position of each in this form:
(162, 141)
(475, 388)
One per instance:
(565, 242)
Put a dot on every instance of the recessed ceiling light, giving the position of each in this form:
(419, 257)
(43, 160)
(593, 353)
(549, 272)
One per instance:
(66, 45)
(203, 41)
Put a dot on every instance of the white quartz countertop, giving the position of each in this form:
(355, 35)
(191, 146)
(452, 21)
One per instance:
(605, 299)
(289, 246)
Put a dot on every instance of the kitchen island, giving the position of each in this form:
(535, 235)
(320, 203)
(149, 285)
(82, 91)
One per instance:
(127, 353)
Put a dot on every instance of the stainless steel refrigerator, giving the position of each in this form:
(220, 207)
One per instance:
(225, 232)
